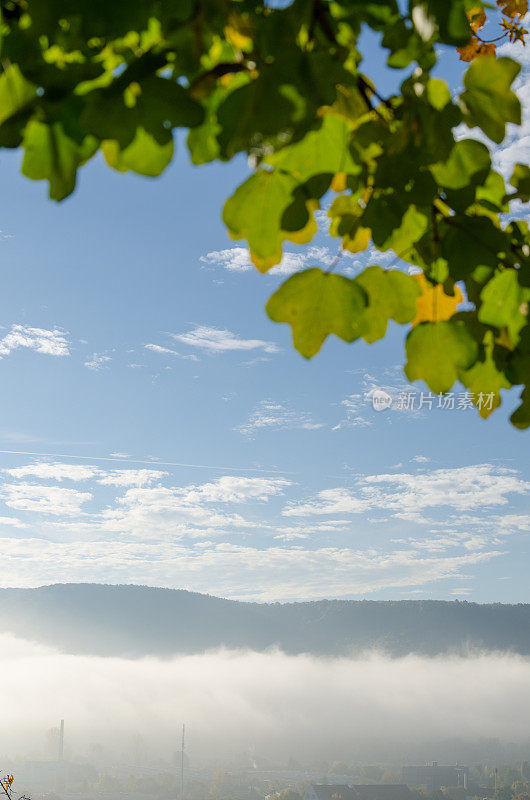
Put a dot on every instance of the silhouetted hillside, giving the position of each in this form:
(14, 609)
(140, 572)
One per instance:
(138, 620)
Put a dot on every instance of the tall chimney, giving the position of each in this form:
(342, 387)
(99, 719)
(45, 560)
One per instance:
(61, 741)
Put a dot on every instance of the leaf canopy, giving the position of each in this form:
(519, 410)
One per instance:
(285, 86)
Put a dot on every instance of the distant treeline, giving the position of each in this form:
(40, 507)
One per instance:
(138, 620)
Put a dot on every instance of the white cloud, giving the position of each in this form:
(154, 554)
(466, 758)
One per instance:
(168, 351)
(85, 472)
(271, 415)
(237, 259)
(156, 348)
(461, 488)
(13, 522)
(419, 459)
(234, 489)
(232, 570)
(56, 471)
(329, 501)
(353, 419)
(52, 500)
(217, 340)
(97, 361)
(163, 511)
(49, 342)
(131, 477)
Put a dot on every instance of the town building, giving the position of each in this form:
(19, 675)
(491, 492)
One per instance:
(434, 776)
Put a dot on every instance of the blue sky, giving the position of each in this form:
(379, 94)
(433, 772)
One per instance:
(157, 428)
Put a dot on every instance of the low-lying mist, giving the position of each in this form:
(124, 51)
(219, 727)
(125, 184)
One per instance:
(356, 708)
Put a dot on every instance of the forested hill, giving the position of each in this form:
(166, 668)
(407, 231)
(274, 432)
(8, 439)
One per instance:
(138, 620)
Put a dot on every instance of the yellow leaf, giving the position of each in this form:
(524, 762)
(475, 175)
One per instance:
(359, 241)
(338, 184)
(238, 32)
(434, 305)
(475, 48)
(477, 18)
(511, 8)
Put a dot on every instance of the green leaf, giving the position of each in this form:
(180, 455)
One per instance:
(278, 106)
(521, 416)
(485, 380)
(491, 194)
(518, 372)
(49, 154)
(391, 295)
(15, 93)
(521, 180)
(469, 163)
(394, 226)
(438, 93)
(316, 304)
(469, 243)
(254, 212)
(488, 100)
(144, 155)
(164, 104)
(160, 106)
(504, 303)
(107, 117)
(437, 351)
(322, 151)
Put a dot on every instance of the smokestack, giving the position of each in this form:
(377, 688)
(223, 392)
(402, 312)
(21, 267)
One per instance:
(182, 767)
(61, 741)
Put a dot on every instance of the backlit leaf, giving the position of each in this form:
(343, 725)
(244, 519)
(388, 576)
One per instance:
(391, 295)
(254, 212)
(437, 352)
(488, 99)
(49, 154)
(504, 303)
(316, 304)
(469, 163)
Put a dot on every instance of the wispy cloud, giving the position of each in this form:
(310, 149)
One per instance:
(218, 340)
(49, 342)
(97, 361)
(59, 471)
(286, 572)
(272, 415)
(156, 348)
(169, 351)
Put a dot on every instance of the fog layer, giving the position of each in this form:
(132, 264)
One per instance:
(282, 705)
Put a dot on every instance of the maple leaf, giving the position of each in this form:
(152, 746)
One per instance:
(475, 48)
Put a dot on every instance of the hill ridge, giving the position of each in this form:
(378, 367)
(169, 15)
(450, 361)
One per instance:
(138, 620)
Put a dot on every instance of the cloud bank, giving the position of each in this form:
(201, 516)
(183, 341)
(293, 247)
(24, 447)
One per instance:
(349, 707)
